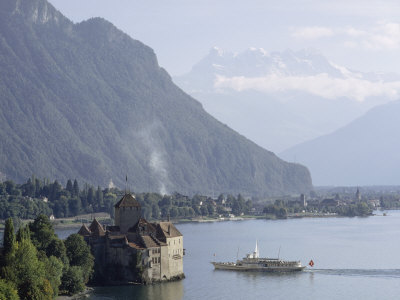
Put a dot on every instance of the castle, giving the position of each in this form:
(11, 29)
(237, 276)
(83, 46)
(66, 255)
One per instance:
(134, 250)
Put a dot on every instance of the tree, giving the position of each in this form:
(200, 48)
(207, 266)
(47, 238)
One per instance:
(23, 233)
(72, 280)
(78, 253)
(155, 213)
(28, 273)
(210, 209)
(57, 249)
(53, 271)
(42, 232)
(91, 196)
(74, 205)
(9, 237)
(173, 212)
(99, 198)
(55, 189)
(204, 210)
(7, 290)
(75, 189)
(69, 187)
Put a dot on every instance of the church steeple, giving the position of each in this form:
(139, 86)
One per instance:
(358, 195)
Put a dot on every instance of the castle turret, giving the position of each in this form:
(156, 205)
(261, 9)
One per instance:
(127, 212)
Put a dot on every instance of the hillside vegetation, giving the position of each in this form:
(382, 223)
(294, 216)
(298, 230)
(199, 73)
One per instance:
(86, 101)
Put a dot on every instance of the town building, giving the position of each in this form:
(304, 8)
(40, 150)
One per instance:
(134, 250)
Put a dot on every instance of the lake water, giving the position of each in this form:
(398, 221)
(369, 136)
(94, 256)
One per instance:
(355, 258)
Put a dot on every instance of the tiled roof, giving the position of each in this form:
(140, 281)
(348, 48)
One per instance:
(127, 200)
(96, 228)
(113, 228)
(149, 242)
(84, 231)
(135, 246)
(142, 223)
(169, 230)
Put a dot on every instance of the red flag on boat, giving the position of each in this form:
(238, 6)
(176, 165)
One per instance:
(311, 263)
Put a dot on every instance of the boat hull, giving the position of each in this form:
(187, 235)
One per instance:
(256, 268)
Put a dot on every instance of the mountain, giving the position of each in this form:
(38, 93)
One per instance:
(281, 99)
(86, 101)
(365, 152)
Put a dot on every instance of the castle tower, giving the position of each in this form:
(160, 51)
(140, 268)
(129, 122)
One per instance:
(127, 212)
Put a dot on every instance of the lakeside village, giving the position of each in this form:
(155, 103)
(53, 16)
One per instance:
(65, 205)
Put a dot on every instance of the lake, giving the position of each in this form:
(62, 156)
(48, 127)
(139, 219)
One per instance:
(355, 258)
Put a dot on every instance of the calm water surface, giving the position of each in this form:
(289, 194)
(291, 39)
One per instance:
(355, 258)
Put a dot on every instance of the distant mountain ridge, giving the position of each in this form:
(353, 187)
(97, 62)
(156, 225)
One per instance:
(86, 101)
(365, 152)
(280, 99)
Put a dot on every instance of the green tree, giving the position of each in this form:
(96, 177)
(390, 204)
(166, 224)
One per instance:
(72, 280)
(204, 210)
(99, 198)
(57, 249)
(173, 212)
(75, 189)
(75, 206)
(9, 237)
(42, 232)
(78, 253)
(210, 209)
(23, 233)
(155, 212)
(91, 196)
(28, 273)
(8, 291)
(53, 271)
(69, 187)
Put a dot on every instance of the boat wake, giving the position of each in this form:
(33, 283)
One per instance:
(384, 273)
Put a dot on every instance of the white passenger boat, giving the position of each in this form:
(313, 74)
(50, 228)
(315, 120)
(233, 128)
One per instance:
(252, 262)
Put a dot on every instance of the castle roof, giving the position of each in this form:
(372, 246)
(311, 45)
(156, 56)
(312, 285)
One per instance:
(143, 226)
(84, 231)
(127, 200)
(97, 228)
(169, 230)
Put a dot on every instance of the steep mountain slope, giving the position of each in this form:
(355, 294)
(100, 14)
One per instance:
(365, 152)
(281, 99)
(86, 101)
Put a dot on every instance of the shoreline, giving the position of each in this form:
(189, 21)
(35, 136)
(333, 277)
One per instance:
(70, 223)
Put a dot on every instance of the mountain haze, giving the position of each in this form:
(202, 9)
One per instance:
(281, 99)
(365, 152)
(86, 101)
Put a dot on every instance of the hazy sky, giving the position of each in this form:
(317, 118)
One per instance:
(363, 35)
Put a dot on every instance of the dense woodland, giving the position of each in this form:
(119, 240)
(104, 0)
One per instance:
(36, 264)
(86, 101)
(26, 201)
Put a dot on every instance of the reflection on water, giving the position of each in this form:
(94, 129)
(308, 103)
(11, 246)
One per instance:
(167, 291)
(393, 273)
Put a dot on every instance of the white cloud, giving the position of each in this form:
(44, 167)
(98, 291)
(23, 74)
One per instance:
(311, 33)
(384, 36)
(380, 36)
(320, 85)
